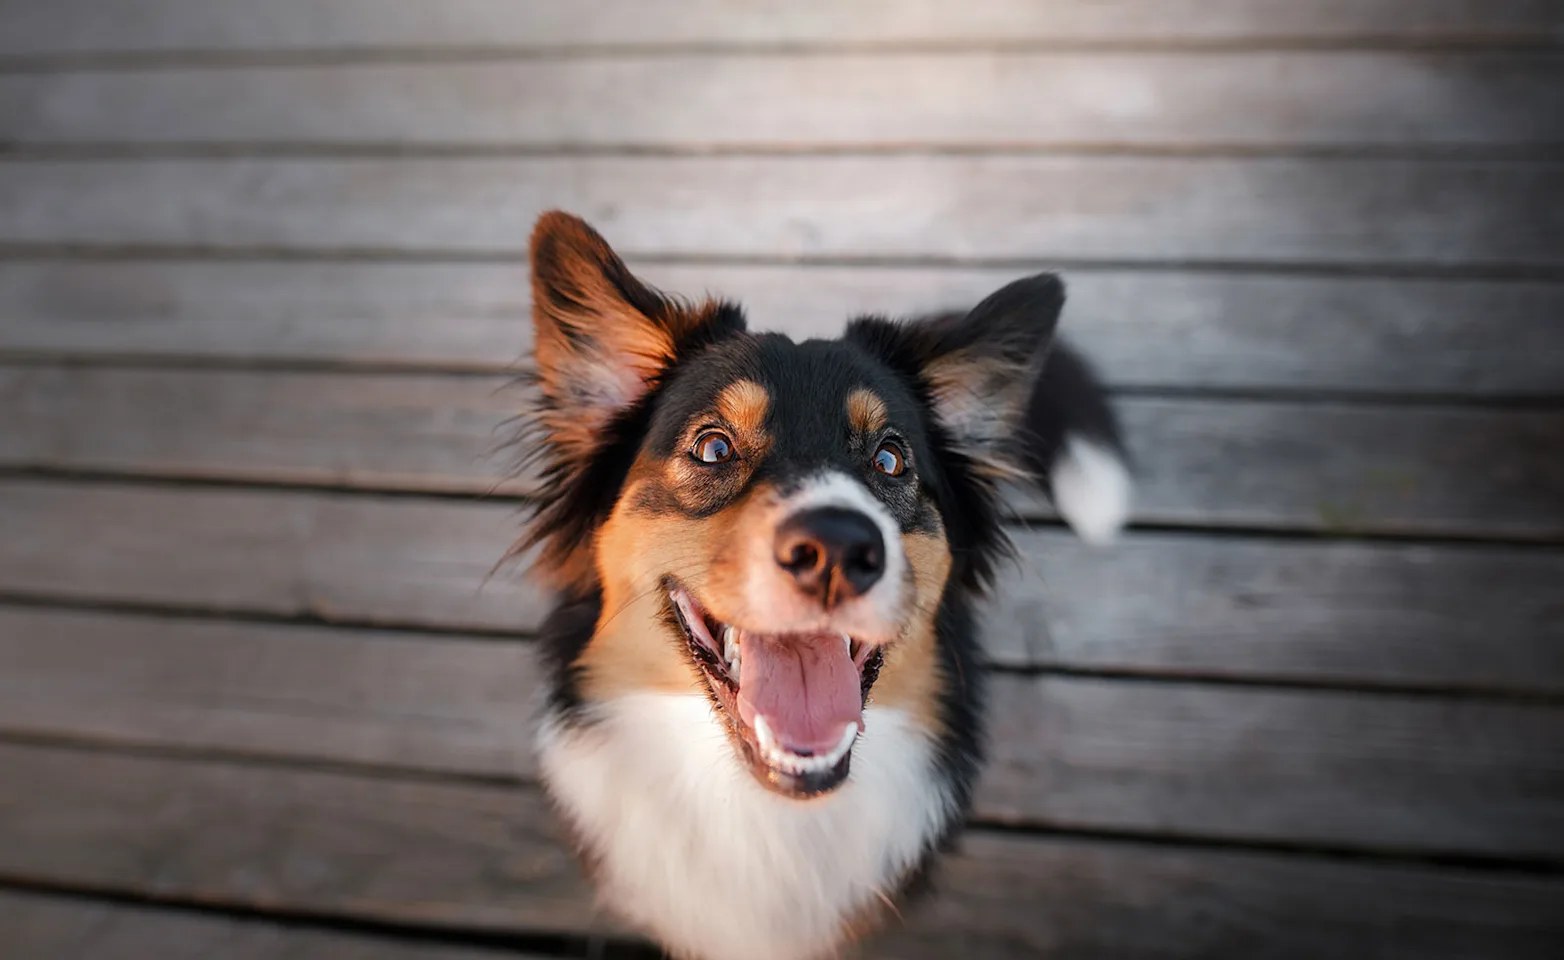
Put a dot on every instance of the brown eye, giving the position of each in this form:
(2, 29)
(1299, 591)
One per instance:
(713, 446)
(889, 460)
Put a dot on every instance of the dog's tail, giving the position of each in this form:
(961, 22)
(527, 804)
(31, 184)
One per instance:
(1075, 447)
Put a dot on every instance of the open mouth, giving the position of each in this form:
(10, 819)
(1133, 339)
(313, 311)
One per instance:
(794, 702)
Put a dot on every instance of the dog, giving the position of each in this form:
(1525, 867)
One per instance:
(765, 703)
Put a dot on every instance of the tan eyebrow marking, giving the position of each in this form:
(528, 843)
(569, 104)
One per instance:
(744, 404)
(866, 411)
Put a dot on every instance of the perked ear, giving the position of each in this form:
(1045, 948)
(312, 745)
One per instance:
(979, 369)
(602, 342)
(601, 339)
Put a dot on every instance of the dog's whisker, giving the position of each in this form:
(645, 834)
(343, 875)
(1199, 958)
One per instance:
(731, 542)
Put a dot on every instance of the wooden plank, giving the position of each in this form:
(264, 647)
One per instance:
(1230, 100)
(1006, 898)
(413, 850)
(356, 558)
(1462, 617)
(437, 704)
(475, 857)
(404, 432)
(44, 927)
(1080, 753)
(1146, 329)
(1258, 210)
(1319, 767)
(76, 26)
(1269, 464)
(1349, 468)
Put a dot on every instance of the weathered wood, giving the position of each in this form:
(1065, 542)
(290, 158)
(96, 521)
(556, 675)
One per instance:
(73, 26)
(1330, 211)
(1349, 468)
(1311, 767)
(1322, 767)
(1223, 99)
(270, 838)
(474, 856)
(1146, 329)
(357, 558)
(1441, 616)
(1006, 899)
(439, 704)
(404, 432)
(1466, 617)
(42, 927)
(1272, 464)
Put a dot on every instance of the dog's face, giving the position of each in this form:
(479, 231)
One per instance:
(773, 524)
(775, 510)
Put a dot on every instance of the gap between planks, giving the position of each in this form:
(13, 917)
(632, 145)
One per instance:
(216, 28)
(1399, 470)
(1420, 614)
(1110, 209)
(1206, 104)
(484, 859)
(1345, 771)
(1145, 329)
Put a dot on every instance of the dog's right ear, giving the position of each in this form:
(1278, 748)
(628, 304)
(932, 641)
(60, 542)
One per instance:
(602, 339)
(602, 342)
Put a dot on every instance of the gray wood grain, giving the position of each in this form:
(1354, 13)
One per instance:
(433, 703)
(1223, 99)
(1348, 468)
(1271, 464)
(1331, 211)
(43, 927)
(415, 849)
(1478, 617)
(355, 558)
(402, 432)
(1298, 767)
(475, 857)
(1145, 329)
(66, 26)
(1468, 617)
(1339, 768)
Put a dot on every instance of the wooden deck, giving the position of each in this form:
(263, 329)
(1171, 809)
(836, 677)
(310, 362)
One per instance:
(261, 278)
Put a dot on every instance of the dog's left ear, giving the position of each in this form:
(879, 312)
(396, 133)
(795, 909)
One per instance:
(601, 338)
(979, 369)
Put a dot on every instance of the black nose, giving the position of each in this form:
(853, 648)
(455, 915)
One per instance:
(833, 553)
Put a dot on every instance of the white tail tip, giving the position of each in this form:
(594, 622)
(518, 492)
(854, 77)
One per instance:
(1091, 489)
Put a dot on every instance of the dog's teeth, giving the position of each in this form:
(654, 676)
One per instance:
(849, 734)
(763, 736)
(849, 642)
(732, 652)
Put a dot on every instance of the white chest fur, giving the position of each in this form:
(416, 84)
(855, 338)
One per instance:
(693, 850)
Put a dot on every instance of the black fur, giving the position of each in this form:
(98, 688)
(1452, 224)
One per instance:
(971, 399)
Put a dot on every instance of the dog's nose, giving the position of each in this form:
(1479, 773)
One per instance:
(832, 553)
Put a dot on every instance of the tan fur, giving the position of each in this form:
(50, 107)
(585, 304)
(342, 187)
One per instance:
(586, 333)
(595, 353)
(637, 547)
(744, 404)
(980, 400)
(866, 412)
(911, 677)
(631, 650)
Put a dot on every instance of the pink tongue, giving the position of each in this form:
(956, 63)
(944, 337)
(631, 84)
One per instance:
(806, 687)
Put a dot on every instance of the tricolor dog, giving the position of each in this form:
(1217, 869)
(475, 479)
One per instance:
(766, 704)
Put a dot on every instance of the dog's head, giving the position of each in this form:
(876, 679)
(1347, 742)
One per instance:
(773, 524)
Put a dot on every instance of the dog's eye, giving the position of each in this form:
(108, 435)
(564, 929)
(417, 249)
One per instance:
(713, 446)
(889, 460)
